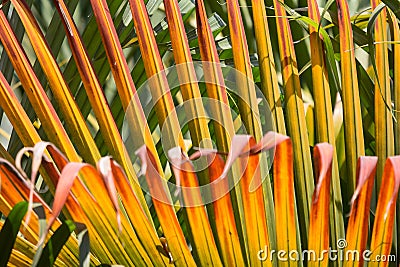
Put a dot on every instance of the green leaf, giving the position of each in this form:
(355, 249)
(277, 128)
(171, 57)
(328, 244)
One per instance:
(84, 245)
(370, 31)
(10, 230)
(327, 6)
(54, 245)
(305, 22)
(394, 5)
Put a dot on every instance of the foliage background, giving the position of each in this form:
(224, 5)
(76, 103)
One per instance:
(51, 26)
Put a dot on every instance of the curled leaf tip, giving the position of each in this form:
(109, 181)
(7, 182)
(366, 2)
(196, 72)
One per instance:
(104, 165)
(38, 152)
(366, 169)
(323, 154)
(18, 160)
(142, 154)
(268, 141)
(177, 159)
(175, 154)
(391, 163)
(105, 169)
(238, 145)
(31, 183)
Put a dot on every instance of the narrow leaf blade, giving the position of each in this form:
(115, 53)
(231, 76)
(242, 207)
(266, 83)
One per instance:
(10, 230)
(227, 233)
(382, 234)
(55, 244)
(319, 222)
(360, 208)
